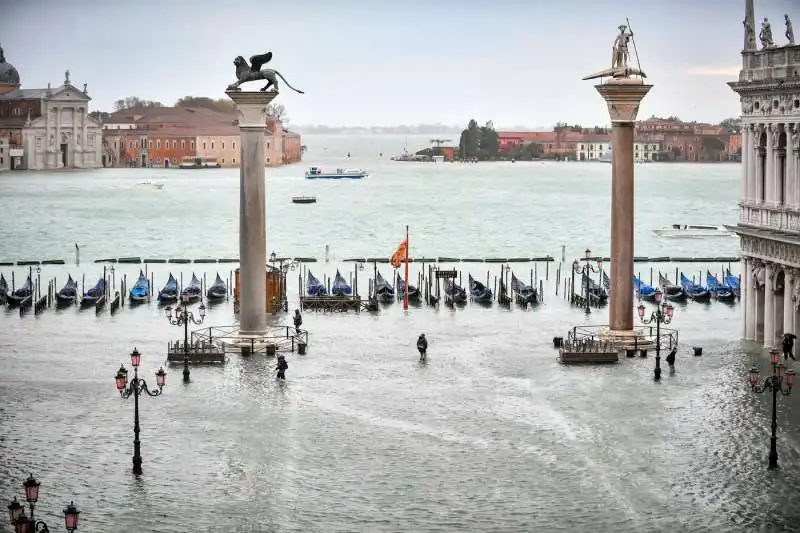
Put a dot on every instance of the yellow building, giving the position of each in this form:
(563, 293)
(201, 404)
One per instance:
(222, 143)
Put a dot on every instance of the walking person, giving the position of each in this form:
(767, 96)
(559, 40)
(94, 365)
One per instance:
(422, 346)
(787, 345)
(282, 367)
(298, 321)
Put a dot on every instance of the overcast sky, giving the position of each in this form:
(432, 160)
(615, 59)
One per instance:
(390, 62)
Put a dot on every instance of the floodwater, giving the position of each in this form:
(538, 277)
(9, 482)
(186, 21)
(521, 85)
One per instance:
(492, 434)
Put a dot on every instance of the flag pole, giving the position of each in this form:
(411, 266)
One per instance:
(405, 296)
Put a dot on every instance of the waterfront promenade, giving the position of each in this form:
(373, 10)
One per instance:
(491, 435)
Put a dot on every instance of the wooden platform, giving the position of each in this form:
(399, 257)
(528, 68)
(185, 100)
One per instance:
(337, 303)
(199, 353)
(572, 357)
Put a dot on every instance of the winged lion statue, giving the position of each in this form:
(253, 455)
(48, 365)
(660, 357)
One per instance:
(253, 72)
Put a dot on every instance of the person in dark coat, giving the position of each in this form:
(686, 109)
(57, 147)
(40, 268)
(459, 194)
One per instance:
(298, 321)
(422, 346)
(788, 344)
(671, 359)
(282, 367)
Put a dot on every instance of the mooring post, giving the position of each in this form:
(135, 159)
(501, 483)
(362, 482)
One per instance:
(547, 270)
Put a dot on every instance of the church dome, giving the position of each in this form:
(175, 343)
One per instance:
(8, 74)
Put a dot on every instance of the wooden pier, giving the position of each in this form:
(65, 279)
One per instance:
(198, 353)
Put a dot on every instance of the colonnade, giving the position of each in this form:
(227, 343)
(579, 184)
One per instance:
(771, 164)
(769, 305)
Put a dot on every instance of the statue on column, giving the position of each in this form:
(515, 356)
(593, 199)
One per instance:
(789, 30)
(766, 34)
(749, 33)
(620, 56)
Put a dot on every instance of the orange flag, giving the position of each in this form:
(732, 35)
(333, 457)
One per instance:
(399, 255)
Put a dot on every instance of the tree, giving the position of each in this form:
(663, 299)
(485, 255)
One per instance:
(277, 112)
(470, 141)
(134, 102)
(712, 143)
(489, 141)
(221, 105)
(730, 124)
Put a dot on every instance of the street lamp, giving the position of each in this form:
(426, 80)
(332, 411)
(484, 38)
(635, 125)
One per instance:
(182, 318)
(24, 524)
(135, 387)
(587, 268)
(782, 381)
(662, 315)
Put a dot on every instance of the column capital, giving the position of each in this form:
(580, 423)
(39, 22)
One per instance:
(252, 107)
(623, 97)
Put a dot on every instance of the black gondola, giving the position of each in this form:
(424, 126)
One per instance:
(68, 294)
(21, 294)
(95, 294)
(454, 292)
(670, 290)
(383, 291)
(413, 292)
(3, 290)
(193, 291)
(218, 290)
(169, 293)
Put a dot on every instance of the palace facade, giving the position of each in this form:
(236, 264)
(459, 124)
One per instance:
(769, 211)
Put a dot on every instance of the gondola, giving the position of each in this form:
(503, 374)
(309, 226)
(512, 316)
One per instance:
(140, 292)
(383, 291)
(20, 295)
(193, 291)
(670, 290)
(218, 290)
(694, 291)
(413, 292)
(95, 294)
(479, 292)
(314, 287)
(169, 293)
(597, 295)
(340, 286)
(645, 291)
(3, 290)
(525, 293)
(718, 290)
(454, 292)
(68, 294)
(734, 282)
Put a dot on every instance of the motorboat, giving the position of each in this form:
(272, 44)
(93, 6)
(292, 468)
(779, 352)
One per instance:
(340, 173)
(693, 231)
(304, 199)
(152, 184)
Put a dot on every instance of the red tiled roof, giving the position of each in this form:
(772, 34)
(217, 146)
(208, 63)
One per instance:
(527, 135)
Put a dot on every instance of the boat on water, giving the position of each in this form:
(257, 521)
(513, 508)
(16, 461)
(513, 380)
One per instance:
(734, 282)
(479, 292)
(340, 173)
(383, 290)
(525, 293)
(169, 292)
(314, 287)
(304, 199)
(597, 294)
(3, 290)
(670, 290)
(197, 162)
(454, 292)
(68, 294)
(340, 286)
(413, 292)
(152, 184)
(193, 291)
(693, 231)
(22, 294)
(218, 290)
(95, 294)
(719, 290)
(695, 291)
(140, 292)
(645, 291)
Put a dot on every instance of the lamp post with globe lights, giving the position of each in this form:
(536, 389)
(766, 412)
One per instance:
(662, 315)
(782, 381)
(586, 270)
(182, 318)
(29, 524)
(135, 387)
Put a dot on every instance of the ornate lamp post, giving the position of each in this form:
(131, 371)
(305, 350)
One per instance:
(135, 387)
(586, 270)
(182, 318)
(25, 524)
(662, 315)
(782, 381)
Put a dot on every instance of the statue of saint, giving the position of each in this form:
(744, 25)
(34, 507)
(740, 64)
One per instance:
(749, 34)
(620, 55)
(766, 34)
(789, 30)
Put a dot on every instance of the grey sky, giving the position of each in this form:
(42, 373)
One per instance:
(383, 62)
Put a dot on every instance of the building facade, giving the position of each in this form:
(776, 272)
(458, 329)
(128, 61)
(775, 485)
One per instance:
(5, 152)
(769, 211)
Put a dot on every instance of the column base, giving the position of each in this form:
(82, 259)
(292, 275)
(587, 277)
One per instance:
(625, 339)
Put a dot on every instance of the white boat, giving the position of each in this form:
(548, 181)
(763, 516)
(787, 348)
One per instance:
(152, 184)
(199, 162)
(693, 231)
(340, 173)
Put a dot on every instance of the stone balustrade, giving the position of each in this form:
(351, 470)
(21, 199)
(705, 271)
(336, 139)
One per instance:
(769, 217)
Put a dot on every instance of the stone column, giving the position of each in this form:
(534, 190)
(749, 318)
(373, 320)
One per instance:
(755, 164)
(746, 178)
(769, 196)
(744, 288)
(623, 96)
(792, 170)
(769, 306)
(252, 108)
(788, 304)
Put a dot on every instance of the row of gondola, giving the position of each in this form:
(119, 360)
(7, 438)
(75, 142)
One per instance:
(170, 292)
(726, 290)
(385, 292)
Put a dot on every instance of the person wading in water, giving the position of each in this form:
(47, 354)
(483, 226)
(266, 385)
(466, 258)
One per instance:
(298, 321)
(282, 367)
(422, 346)
(788, 344)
